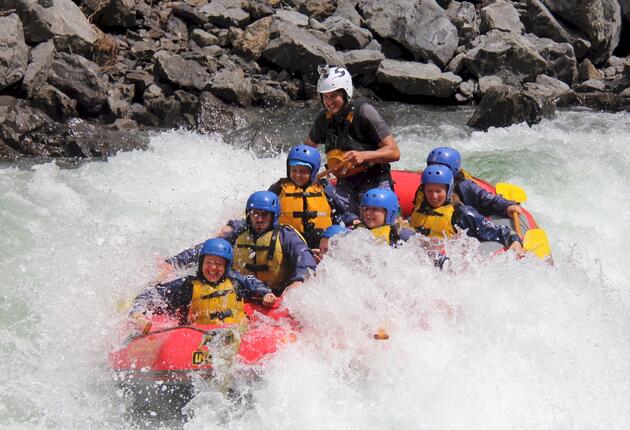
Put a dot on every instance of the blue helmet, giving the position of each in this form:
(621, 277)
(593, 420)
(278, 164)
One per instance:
(218, 247)
(447, 156)
(304, 155)
(264, 201)
(439, 174)
(383, 198)
(335, 230)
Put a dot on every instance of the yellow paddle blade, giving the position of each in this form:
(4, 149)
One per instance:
(511, 192)
(124, 304)
(536, 241)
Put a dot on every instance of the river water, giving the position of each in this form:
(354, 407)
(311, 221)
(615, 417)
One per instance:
(492, 343)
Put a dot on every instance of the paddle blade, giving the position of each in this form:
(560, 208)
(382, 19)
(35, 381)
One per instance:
(536, 241)
(511, 192)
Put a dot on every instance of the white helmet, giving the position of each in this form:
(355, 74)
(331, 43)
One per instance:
(333, 78)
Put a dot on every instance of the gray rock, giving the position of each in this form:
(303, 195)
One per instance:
(143, 49)
(590, 86)
(500, 15)
(506, 55)
(314, 8)
(37, 70)
(291, 17)
(504, 105)
(259, 9)
(180, 72)
(255, 38)
(28, 131)
(456, 63)
(487, 82)
(625, 9)
(226, 13)
(296, 50)
(13, 51)
(346, 35)
(203, 38)
(63, 22)
(232, 86)
(586, 71)
(421, 26)
(177, 29)
(316, 25)
(561, 61)
(362, 61)
(468, 89)
(417, 78)
(346, 9)
(374, 46)
(143, 116)
(540, 21)
(215, 116)
(115, 14)
(464, 16)
(188, 13)
(80, 79)
(269, 95)
(599, 19)
(547, 87)
(141, 80)
(119, 99)
(55, 103)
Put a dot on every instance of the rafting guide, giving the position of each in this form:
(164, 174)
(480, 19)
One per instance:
(355, 138)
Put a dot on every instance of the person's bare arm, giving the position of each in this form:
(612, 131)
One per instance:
(387, 152)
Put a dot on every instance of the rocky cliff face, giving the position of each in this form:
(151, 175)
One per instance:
(115, 67)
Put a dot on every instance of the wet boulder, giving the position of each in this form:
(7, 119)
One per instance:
(502, 106)
(13, 51)
(232, 86)
(420, 26)
(55, 103)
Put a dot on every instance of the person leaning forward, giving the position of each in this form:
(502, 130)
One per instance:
(354, 132)
(274, 253)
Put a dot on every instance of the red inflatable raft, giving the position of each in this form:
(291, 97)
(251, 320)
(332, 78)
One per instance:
(406, 184)
(166, 359)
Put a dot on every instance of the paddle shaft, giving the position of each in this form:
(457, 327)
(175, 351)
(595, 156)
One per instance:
(517, 224)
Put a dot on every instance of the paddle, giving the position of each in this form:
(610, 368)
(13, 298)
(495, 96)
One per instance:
(535, 240)
(511, 192)
(333, 169)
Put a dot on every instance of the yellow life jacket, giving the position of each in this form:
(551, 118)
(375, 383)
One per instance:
(262, 258)
(215, 304)
(304, 209)
(383, 233)
(432, 222)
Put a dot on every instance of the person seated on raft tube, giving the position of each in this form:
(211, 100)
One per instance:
(324, 241)
(439, 212)
(274, 253)
(306, 203)
(355, 132)
(379, 213)
(213, 296)
(467, 190)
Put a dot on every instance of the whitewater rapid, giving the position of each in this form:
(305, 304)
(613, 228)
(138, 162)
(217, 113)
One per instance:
(492, 343)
